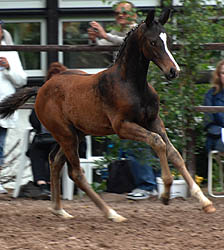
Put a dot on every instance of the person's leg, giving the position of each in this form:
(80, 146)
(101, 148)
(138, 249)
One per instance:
(40, 169)
(38, 162)
(3, 132)
(47, 168)
(143, 175)
(144, 178)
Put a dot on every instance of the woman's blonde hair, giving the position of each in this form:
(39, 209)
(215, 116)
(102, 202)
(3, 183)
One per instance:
(216, 79)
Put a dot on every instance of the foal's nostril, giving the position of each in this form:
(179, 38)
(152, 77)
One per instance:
(173, 73)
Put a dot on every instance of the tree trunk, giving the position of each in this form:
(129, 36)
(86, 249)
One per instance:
(190, 152)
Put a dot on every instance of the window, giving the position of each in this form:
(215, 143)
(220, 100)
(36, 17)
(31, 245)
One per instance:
(207, 2)
(99, 3)
(29, 32)
(12, 4)
(74, 32)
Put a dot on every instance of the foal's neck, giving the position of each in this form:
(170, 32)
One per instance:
(133, 64)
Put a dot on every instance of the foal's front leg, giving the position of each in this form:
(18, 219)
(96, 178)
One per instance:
(132, 131)
(175, 158)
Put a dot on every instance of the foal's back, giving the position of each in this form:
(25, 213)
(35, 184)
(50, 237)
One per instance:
(73, 99)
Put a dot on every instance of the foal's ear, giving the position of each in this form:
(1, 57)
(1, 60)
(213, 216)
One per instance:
(164, 16)
(150, 17)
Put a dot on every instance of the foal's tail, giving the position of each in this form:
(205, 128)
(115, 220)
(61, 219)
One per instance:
(10, 104)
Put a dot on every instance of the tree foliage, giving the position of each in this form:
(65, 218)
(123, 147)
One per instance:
(191, 25)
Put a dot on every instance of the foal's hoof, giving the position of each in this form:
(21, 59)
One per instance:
(165, 200)
(118, 218)
(62, 213)
(115, 217)
(209, 209)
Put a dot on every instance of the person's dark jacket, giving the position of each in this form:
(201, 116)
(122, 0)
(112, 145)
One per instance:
(39, 129)
(35, 123)
(42, 138)
(214, 122)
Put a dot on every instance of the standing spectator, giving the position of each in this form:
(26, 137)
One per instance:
(12, 76)
(214, 122)
(125, 19)
(126, 16)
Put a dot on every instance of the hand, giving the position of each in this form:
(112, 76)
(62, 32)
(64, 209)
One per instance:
(92, 34)
(4, 62)
(100, 32)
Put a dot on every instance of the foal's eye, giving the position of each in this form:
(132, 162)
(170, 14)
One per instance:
(153, 43)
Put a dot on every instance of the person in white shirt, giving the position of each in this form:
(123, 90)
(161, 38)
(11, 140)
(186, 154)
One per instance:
(125, 16)
(125, 19)
(12, 76)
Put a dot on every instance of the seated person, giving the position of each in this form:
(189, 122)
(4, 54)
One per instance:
(41, 147)
(140, 166)
(214, 122)
(38, 153)
(143, 173)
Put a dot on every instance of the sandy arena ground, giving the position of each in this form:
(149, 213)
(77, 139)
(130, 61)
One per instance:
(28, 224)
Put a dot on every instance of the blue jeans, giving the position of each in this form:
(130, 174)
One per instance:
(3, 132)
(214, 144)
(144, 176)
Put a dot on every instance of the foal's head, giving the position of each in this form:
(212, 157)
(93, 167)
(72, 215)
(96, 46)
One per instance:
(154, 44)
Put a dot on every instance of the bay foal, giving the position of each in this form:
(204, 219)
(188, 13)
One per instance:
(115, 101)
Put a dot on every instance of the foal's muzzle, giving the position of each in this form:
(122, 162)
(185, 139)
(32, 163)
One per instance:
(172, 74)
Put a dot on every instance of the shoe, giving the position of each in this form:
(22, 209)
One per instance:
(138, 194)
(44, 194)
(2, 190)
(153, 192)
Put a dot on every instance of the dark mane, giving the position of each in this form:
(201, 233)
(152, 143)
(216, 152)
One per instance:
(123, 45)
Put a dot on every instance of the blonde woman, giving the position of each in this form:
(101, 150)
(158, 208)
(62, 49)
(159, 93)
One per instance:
(214, 122)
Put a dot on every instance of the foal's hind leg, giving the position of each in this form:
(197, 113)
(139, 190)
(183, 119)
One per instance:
(76, 173)
(69, 144)
(57, 160)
